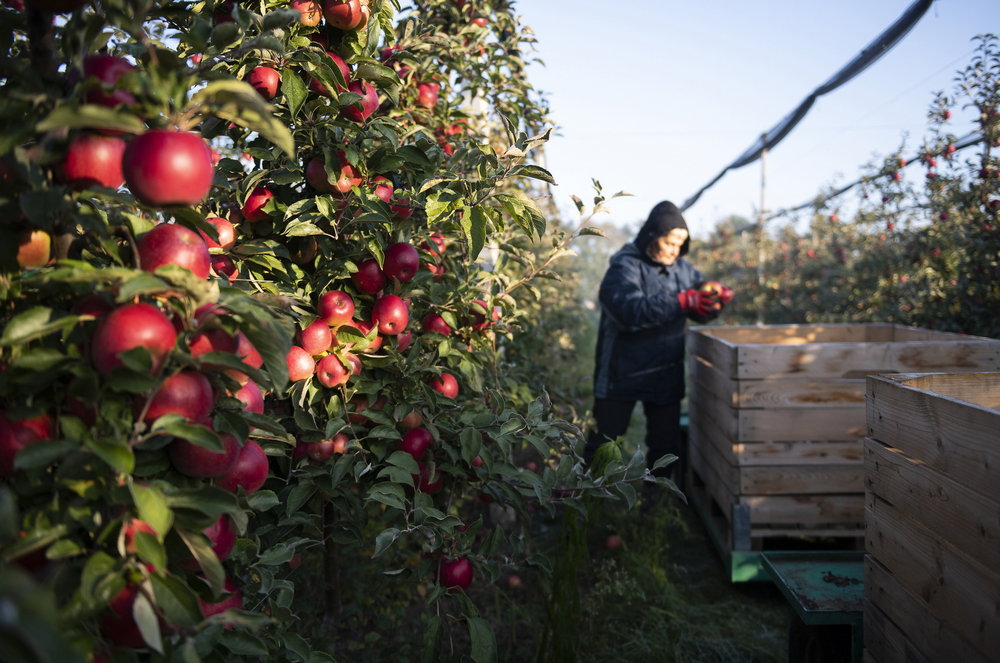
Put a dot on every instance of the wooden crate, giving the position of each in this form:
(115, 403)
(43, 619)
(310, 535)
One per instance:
(777, 419)
(932, 513)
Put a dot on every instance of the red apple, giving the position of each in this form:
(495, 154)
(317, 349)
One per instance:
(435, 323)
(401, 261)
(344, 175)
(429, 480)
(311, 11)
(369, 101)
(403, 340)
(354, 363)
(165, 168)
(427, 94)
(130, 326)
(480, 21)
(416, 442)
(345, 71)
(253, 208)
(344, 14)
(391, 314)
(16, 434)
(446, 385)
(364, 328)
(383, 188)
(316, 337)
(335, 308)
(331, 372)
(369, 277)
(411, 420)
(172, 244)
(34, 248)
(93, 160)
(401, 208)
(436, 244)
(455, 573)
(225, 230)
(118, 625)
(477, 315)
(234, 601)
(211, 340)
(252, 397)
(249, 471)
(266, 80)
(222, 534)
(105, 70)
(200, 462)
(132, 527)
(613, 542)
(224, 267)
(327, 448)
(301, 365)
(187, 393)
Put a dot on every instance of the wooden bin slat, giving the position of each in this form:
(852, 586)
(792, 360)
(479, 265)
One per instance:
(951, 433)
(934, 639)
(884, 642)
(946, 580)
(839, 351)
(942, 504)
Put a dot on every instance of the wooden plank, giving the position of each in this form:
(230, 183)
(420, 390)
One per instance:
(716, 352)
(721, 470)
(965, 517)
(802, 479)
(703, 431)
(704, 376)
(799, 452)
(857, 360)
(954, 437)
(981, 389)
(798, 334)
(714, 487)
(884, 642)
(956, 590)
(815, 511)
(707, 405)
(841, 422)
(933, 639)
(788, 393)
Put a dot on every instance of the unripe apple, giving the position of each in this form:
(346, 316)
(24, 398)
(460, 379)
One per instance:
(401, 261)
(391, 314)
(435, 323)
(369, 101)
(455, 573)
(316, 337)
(249, 471)
(166, 168)
(225, 230)
(173, 244)
(253, 208)
(132, 326)
(301, 364)
(411, 420)
(16, 434)
(330, 371)
(187, 393)
(200, 462)
(34, 248)
(93, 160)
(335, 308)
(105, 70)
(416, 442)
(369, 278)
(446, 385)
(266, 80)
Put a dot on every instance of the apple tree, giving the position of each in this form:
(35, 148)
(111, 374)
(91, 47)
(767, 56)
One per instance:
(262, 265)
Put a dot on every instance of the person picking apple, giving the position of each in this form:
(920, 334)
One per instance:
(646, 296)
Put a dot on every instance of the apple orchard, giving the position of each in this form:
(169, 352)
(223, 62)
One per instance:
(262, 264)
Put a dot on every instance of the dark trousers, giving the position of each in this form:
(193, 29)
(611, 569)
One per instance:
(663, 429)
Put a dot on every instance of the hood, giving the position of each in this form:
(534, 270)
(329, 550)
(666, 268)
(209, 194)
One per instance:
(662, 219)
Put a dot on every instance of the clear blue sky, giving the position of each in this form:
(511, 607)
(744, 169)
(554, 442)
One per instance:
(655, 97)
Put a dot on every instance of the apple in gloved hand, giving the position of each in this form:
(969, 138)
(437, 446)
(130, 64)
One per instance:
(719, 291)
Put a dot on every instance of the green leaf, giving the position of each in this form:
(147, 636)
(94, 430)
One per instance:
(432, 640)
(276, 554)
(237, 102)
(91, 117)
(294, 89)
(176, 600)
(42, 454)
(152, 507)
(263, 500)
(471, 442)
(243, 643)
(476, 230)
(534, 172)
(118, 456)
(209, 500)
(297, 498)
(385, 539)
(145, 618)
(150, 550)
(390, 494)
(201, 550)
(178, 426)
(34, 324)
(484, 644)
(404, 461)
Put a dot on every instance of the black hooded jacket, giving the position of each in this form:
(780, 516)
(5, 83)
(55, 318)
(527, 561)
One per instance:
(640, 343)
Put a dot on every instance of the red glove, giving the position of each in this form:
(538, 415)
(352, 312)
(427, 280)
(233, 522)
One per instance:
(699, 304)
